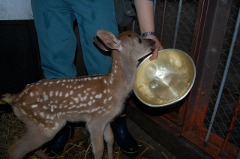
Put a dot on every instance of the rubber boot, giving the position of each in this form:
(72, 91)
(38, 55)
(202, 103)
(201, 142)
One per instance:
(57, 144)
(123, 137)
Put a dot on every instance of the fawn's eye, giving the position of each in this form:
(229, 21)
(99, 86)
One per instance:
(139, 40)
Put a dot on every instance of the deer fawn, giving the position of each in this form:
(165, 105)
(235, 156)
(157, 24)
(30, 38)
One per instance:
(45, 106)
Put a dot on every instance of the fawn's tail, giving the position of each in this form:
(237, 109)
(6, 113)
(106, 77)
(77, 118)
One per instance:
(7, 99)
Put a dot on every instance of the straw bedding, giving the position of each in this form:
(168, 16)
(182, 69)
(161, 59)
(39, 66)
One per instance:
(79, 147)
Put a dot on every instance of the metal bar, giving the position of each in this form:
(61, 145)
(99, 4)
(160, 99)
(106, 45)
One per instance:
(133, 25)
(224, 77)
(234, 118)
(238, 157)
(163, 18)
(177, 23)
(154, 4)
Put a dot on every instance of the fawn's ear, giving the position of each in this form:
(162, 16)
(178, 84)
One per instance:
(107, 41)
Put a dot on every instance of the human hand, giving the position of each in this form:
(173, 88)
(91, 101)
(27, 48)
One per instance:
(158, 46)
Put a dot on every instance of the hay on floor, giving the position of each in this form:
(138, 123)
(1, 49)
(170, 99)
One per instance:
(78, 146)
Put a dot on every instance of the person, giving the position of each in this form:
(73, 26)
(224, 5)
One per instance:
(57, 43)
(145, 14)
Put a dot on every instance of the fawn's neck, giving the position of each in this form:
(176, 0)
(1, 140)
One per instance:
(123, 71)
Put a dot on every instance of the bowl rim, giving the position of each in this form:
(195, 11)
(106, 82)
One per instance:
(183, 96)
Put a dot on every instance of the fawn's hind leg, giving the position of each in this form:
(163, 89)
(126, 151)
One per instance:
(33, 139)
(41, 154)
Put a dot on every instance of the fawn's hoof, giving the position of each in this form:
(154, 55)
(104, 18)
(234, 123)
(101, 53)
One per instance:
(57, 144)
(123, 137)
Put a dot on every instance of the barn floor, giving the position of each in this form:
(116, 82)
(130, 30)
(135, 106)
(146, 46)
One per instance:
(150, 149)
(12, 129)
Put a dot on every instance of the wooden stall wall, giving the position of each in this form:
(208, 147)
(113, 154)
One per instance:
(184, 126)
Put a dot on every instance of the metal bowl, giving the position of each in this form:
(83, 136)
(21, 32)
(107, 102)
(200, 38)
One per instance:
(165, 80)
